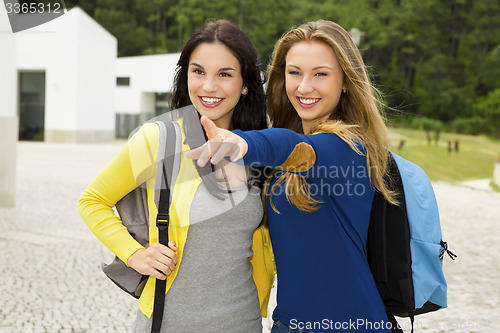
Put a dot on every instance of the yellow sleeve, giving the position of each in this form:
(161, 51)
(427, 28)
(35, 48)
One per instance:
(135, 164)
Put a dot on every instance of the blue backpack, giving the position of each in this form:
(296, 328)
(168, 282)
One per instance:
(405, 247)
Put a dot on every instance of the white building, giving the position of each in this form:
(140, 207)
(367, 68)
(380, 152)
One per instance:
(61, 81)
(143, 88)
(8, 114)
(70, 86)
(66, 80)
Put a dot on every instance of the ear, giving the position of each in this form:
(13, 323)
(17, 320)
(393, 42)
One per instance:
(244, 91)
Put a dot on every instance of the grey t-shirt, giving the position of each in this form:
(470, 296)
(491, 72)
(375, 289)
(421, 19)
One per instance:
(214, 290)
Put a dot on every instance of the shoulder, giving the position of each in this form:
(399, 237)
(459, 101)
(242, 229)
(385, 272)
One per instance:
(334, 142)
(143, 149)
(150, 132)
(145, 136)
(335, 149)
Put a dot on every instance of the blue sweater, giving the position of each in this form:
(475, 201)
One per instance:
(324, 282)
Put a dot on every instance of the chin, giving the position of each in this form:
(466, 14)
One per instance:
(306, 116)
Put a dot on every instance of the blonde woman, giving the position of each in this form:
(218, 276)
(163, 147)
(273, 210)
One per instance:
(328, 152)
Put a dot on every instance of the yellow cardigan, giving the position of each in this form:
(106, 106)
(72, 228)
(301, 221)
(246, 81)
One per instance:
(134, 165)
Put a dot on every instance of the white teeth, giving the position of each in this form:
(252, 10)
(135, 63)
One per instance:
(308, 100)
(211, 100)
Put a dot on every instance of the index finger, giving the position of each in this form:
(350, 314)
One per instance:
(210, 128)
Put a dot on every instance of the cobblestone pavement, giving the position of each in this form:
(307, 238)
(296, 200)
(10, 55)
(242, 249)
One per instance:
(50, 280)
(49, 259)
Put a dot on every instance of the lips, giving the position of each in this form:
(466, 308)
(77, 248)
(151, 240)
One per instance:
(308, 103)
(210, 102)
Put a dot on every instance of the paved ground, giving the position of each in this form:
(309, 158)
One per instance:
(479, 184)
(50, 280)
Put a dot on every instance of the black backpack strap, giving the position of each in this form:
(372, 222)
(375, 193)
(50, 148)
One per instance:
(377, 243)
(394, 323)
(395, 326)
(406, 288)
(162, 222)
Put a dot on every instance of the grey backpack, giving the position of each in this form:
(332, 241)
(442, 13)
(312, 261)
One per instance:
(133, 208)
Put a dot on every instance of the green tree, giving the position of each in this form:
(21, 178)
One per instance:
(430, 58)
(489, 107)
(430, 126)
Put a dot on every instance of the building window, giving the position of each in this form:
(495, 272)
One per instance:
(162, 103)
(31, 106)
(123, 81)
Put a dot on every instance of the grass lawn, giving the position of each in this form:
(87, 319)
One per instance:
(475, 159)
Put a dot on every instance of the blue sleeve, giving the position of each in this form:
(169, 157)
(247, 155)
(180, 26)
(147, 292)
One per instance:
(272, 147)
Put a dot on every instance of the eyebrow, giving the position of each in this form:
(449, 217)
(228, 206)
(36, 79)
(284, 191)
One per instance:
(315, 68)
(223, 69)
(195, 64)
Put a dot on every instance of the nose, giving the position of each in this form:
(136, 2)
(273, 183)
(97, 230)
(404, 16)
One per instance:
(305, 86)
(209, 85)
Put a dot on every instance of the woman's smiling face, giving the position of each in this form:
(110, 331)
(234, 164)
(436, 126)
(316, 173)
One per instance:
(313, 81)
(214, 82)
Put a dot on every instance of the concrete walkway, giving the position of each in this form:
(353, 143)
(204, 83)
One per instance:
(478, 184)
(50, 280)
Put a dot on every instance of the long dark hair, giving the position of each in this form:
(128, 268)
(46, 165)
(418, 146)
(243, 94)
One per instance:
(250, 111)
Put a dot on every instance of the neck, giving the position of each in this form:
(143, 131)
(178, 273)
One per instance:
(225, 122)
(309, 125)
(306, 127)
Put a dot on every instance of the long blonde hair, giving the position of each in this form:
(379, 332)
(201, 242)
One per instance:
(357, 117)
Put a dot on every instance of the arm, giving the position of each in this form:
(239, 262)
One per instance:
(123, 174)
(279, 148)
(321, 155)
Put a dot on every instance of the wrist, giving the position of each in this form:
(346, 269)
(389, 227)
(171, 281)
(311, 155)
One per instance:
(131, 258)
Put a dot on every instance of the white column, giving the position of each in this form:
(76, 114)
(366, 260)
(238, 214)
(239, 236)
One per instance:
(496, 171)
(9, 122)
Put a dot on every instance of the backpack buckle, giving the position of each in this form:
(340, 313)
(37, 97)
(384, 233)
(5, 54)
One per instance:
(162, 221)
(444, 249)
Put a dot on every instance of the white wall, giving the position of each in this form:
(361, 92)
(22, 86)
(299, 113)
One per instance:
(51, 47)
(8, 73)
(8, 111)
(78, 56)
(496, 171)
(148, 75)
(96, 62)
(127, 100)
(148, 102)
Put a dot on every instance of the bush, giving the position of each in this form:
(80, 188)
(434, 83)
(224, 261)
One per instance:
(473, 126)
(428, 125)
(489, 107)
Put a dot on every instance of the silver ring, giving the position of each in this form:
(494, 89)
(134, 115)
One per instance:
(221, 136)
